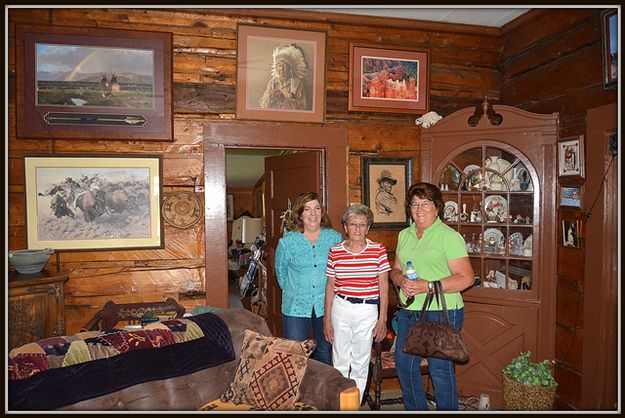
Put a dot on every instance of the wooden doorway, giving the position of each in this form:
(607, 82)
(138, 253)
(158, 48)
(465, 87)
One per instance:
(332, 142)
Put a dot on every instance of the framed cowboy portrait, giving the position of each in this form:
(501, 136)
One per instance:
(280, 74)
(384, 185)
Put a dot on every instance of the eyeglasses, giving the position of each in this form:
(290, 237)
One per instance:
(357, 226)
(426, 204)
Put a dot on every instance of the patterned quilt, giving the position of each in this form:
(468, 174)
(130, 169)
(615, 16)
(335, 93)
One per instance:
(59, 371)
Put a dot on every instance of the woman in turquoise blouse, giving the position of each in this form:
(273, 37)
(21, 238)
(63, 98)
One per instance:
(300, 262)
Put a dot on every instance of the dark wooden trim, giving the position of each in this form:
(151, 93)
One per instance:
(599, 370)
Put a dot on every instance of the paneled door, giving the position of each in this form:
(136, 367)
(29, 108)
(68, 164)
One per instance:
(285, 178)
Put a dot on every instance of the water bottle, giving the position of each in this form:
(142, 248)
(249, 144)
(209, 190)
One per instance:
(411, 274)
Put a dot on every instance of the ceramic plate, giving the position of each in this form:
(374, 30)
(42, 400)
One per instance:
(499, 207)
(516, 243)
(450, 211)
(497, 243)
(527, 246)
(471, 167)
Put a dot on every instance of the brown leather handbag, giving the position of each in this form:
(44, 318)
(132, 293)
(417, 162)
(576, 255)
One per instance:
(436, 339)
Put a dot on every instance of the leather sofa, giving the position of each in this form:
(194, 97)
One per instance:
(322, 387)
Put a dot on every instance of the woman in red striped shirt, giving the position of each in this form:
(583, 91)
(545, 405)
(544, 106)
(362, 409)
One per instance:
(357, 286)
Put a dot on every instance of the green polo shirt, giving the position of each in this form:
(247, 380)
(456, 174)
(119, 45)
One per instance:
(429, 256)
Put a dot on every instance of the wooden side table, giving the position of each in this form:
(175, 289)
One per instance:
(36, 307)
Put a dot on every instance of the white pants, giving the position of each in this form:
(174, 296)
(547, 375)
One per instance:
(351, 349)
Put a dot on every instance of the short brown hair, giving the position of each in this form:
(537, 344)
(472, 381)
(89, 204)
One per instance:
(428, 191)
(295, 220)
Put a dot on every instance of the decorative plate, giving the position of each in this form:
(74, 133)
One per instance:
(495, 209)
(473, 174)
(450, 211)
(182, 209)
(493, 241)
(516, 243)
(527, 246)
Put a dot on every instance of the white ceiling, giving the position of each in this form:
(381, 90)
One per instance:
(470, 15)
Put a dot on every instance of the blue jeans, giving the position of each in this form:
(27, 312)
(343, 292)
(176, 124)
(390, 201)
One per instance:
(296, 328)
(442, 372)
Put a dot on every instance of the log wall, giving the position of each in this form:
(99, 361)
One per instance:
(464, 69)
(552, 62)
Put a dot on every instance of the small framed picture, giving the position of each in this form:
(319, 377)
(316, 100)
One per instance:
(385, 78)
(384, 185)
(570, 233)
(571, 196)
(609, 20)
(571, 157)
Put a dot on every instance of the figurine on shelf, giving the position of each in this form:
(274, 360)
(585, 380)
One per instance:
(512, 284)
(464, 216)
(476, 213)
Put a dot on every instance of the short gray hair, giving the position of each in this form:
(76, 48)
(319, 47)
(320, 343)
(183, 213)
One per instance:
(357, 209)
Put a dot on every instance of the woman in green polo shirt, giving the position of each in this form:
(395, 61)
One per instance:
(437, 252)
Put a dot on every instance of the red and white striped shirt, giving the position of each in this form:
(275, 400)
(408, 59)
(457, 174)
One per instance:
(357, 274)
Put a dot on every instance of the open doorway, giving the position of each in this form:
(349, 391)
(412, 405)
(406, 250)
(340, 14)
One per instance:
(219, 136)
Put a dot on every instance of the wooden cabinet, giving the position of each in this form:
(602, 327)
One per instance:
(496, 166)
(35, 307)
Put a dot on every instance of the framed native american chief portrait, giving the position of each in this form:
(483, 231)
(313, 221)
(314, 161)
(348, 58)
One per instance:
(280, 74)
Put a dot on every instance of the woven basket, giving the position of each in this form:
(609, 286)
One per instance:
(527, 397)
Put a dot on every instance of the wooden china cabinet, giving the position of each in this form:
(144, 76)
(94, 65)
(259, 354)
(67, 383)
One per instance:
(496, 167)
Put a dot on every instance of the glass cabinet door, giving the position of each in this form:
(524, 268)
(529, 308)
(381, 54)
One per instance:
(489, 199)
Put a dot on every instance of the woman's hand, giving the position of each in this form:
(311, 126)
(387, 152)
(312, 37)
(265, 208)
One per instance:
(328, 329)
(379, 331)
(409, 287)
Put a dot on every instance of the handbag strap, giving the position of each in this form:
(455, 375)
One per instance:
(438, 291)
(426, 304)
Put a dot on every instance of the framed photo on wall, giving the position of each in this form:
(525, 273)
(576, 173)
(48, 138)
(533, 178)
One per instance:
(280, 74)
(392, 79)
(609, 21)
(384, 185)
(79, 202)
(571, 233)
(571, 196)
(571, 157)
(90, 83)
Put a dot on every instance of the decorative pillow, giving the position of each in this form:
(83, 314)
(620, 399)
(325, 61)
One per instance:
(270, 371)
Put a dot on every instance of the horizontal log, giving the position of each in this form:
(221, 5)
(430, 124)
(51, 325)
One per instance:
(203, 98)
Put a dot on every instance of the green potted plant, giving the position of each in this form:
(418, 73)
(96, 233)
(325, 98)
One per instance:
(528, 386)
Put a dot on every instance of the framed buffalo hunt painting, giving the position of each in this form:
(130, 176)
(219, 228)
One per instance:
(91, 83)
(77, 202)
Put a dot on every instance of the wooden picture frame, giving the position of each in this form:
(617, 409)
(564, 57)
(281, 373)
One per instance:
(93, 84)
(571, 157)
(571, 196)
(384, 185)
(260, 94)
(393, 79)
(609, 23)
(571, 233)
(93, 202)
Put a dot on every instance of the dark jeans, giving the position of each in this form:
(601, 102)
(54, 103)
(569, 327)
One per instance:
(408, 366)
(297, 329)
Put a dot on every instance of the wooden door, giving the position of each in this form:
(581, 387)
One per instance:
(285, 178)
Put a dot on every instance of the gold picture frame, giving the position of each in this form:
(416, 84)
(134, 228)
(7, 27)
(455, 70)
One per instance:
(94, 202)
